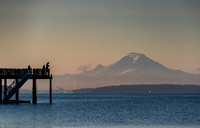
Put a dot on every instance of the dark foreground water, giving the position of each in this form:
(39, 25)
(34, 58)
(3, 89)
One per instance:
(104, 111)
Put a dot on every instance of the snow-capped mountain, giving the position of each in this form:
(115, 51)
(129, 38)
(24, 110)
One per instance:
(134, 68)
(133, 63)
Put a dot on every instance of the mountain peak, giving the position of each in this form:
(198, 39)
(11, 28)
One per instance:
(99, 67)
(134, 54)
(131, 58)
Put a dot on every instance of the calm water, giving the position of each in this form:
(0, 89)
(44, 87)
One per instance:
(104, 111)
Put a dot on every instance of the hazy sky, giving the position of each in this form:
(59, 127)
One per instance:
(73, 33)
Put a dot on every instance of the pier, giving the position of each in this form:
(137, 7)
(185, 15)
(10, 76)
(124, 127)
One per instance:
(20, 77)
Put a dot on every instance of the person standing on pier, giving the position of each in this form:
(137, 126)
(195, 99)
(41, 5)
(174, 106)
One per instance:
(43, 70)
(47, 69)
(29, 67)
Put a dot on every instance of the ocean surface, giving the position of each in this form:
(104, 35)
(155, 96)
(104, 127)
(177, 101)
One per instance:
(104, 111)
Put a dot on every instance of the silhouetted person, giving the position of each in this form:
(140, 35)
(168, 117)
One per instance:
(29, 67)
(47, 68)
(43, 70)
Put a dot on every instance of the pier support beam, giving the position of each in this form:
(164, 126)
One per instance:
(50, 92)
(34, 100)
(17, 93)
(0, 89)
(5, 88)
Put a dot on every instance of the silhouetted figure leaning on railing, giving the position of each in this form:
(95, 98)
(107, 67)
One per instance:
(47, 69)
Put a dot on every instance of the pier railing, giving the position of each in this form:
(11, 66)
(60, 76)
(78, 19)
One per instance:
(17, 72)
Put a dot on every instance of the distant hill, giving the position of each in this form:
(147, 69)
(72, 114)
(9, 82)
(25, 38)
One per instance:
(164, 88)
(134, 68)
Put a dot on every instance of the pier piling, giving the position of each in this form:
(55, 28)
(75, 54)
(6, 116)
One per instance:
(0, 89)
(34, 100)
(50, 91)
(17, 93)
(5, 88)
